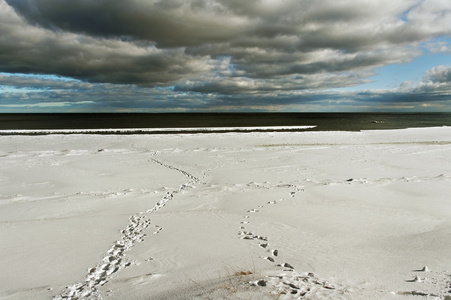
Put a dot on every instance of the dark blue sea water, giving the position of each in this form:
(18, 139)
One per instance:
(322, 121)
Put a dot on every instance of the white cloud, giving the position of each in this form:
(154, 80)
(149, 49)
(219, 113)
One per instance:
(57, 104)
(436, 80)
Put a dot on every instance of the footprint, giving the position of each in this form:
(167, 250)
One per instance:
(245, 233)
(263, 245)
(260, 282)
(287, 265)
(269, 258)
(291, 285)
(274, 252)
(158, 230)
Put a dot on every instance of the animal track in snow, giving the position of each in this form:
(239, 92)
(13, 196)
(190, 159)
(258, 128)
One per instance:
(158, 229)
(263, 245)
(285, 283)
(115, 258)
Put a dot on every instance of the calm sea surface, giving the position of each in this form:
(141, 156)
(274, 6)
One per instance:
(323, 121)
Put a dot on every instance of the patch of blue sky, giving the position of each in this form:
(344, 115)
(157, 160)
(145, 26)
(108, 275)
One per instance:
(40, 76)
(224, 64)
(165, 88)
(405, 15)
(393, 76)
(5, 89)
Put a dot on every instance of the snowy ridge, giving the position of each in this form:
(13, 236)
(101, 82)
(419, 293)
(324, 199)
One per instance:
(148, 130)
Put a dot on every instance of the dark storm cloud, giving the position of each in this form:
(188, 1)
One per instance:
(173, 23)
(167, 23)
(246, 86)
(31, 49)
(216, 46)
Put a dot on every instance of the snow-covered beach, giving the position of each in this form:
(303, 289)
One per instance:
(249, 215)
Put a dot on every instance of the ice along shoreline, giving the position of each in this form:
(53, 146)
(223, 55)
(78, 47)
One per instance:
(153, 130)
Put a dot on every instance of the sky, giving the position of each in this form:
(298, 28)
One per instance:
(225, 56)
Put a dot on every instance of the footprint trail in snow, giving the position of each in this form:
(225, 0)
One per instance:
(284, 282)
(115, 258)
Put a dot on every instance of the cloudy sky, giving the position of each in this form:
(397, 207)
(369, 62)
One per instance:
(225, 55)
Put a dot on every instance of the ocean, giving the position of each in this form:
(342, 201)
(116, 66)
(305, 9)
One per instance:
(322, 121)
